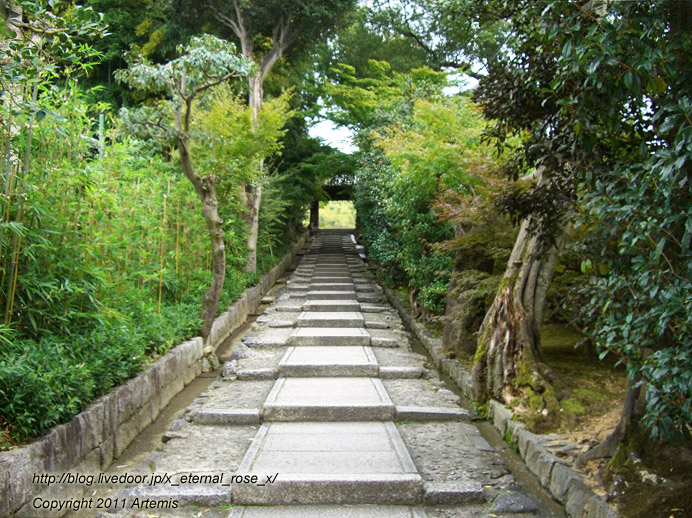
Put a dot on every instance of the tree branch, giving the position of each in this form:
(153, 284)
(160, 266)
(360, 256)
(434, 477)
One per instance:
(225, 20)
(281, 39)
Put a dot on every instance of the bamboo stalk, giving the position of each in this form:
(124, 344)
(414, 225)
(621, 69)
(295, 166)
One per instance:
(163, 239)
(177, 245)
(13, 290)
(17, 239)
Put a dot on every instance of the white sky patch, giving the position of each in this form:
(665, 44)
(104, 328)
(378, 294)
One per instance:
(338, 137)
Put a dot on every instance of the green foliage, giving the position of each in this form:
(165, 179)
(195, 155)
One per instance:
(359, 99)
(225, 143)
(362, 40)
(450, 34)
(337, 214)
(601, 93)
(422, 144)
(204, 62)
(135, 28)
(307, 20)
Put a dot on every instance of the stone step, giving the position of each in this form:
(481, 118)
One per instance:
(328, 399)
(329, 463)
(328, 336)
(331, 305)
(367, 308)
(332, 286)
(328, 361)
(344, 270)
(330, 295)
(368, 297)
(330, 319)
(211, 495)
(328, 511)
(454, 493)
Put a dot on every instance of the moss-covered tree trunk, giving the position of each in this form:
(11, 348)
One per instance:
(508, 356)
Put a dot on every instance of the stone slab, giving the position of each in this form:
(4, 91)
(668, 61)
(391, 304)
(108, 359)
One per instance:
(226, 416)
(451, 493)
(329, 511)
(328, 399)
(289, 308)
(367, 308)
(384, 341)
(329, 295)
(368, 297)
(328, 361)
(332, 286)
(329, 463)
(396, 372)
(330, 319)
(331, 305)
(328, 336)
(257, 374)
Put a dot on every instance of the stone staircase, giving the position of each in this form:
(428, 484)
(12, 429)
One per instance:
(325, 411)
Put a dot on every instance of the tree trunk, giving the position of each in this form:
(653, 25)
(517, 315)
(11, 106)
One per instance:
(508, 358)
(253, 199)
(254, 192)
(206, 190)
(282, 35)
(210, 209)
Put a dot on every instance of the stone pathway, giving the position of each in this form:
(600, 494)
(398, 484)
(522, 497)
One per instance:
(324, 411)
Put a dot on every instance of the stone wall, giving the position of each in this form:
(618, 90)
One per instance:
(96, 437)
(566, 485)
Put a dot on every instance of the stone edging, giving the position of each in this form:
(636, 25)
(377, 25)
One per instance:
(98, 435)
(564, 484)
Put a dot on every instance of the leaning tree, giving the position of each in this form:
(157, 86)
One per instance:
(205, 62)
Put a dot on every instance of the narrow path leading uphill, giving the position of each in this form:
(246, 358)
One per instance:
(324, 411)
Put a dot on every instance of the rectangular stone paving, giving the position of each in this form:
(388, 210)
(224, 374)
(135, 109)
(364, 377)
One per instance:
(329, 511)
(328, 336)
(331, 305)
(330, 319)
(328, 399)
(331, 295)
(328, 361)
(332, 286)
(359, 462)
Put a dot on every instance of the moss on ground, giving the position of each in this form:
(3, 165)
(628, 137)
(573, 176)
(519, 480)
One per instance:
(585, 390)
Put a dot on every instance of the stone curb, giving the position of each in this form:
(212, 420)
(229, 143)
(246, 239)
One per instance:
(564, 484)
(98, 435)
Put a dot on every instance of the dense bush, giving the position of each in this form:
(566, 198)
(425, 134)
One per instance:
(104, 263)
(424, 147)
